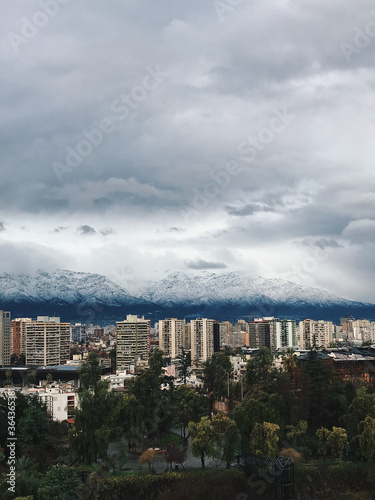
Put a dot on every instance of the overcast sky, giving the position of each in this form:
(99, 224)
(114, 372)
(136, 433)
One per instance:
(144, 136)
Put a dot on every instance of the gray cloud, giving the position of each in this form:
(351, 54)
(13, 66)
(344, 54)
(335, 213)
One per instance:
(224, 82)
(204, 264)
(2, 227)
(86, 230)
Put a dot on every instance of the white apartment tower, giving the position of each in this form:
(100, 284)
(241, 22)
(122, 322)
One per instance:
(4, 338)
(171, 336)
(132, 341)
(315, 333)
(47, 341)
(282, 333)
(202, 339)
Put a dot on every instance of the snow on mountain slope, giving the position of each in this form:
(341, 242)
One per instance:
(62, 287)
(176, 289)
(209, 288)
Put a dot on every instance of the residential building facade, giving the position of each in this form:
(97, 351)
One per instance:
(132, 341)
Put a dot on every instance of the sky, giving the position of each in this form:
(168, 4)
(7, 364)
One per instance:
(142, 137)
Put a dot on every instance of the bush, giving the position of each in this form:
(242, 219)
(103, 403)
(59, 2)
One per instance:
(291, 453)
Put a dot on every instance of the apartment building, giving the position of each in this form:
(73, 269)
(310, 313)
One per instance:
(132, 341)
(4, 338)
(259, 333)
(362, 330)
(78, 333)
(18, 335)
(225, 332)
(171, 336)
(47, 341)
(283, 333)
(202, 339)
(315, 333)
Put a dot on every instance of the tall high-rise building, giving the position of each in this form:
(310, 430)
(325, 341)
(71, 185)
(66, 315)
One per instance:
(315, 333)
(282, 333)
(171, 336)
(202, 339)
(225, 332)
(216, 336)
(18, 335)
(259, 333)
(187, 337)
(78, 333)
(4, 338)
(132, 341)
(47, 341)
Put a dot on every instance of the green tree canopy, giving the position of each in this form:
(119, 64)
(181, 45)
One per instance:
(265, 438)
(203, 435)
(227, 437)
(60, 483)
(190, 407)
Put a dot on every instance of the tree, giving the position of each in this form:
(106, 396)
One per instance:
(185, 363)
(289, 361)
(49, 378)
(147, 457)
(250, 412)
(318, 378)
(60, 483)
(297, 433)
(338, 441)
(94, 419)
(30, 378)
(216, 377)
(157, 403)
(33, 426)
(203, 436)
(366, 438)
(362, 406)
(175, 454)
(259, 370)
(97, 415)
(323, 435)
(8, 378)
(190, 407)
(227, 437)
(265, 438)
(90, 373)
(27, 477)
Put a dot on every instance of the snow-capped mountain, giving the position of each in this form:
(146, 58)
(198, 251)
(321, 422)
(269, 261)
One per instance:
(63, 287)
(78, 296)
(231, 288)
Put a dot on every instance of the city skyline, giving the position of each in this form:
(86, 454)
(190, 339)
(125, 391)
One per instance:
(200, 137)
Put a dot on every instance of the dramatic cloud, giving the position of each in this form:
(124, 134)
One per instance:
(191, 135)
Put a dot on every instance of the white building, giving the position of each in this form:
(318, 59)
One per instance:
(132, 341)
(315, 333)
(283, 333)
(202, 339)
(47, 341)
(171, 336)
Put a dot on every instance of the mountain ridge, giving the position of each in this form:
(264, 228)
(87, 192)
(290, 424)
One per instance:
(76, 295)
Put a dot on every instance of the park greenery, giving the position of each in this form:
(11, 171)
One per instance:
(300, 411)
